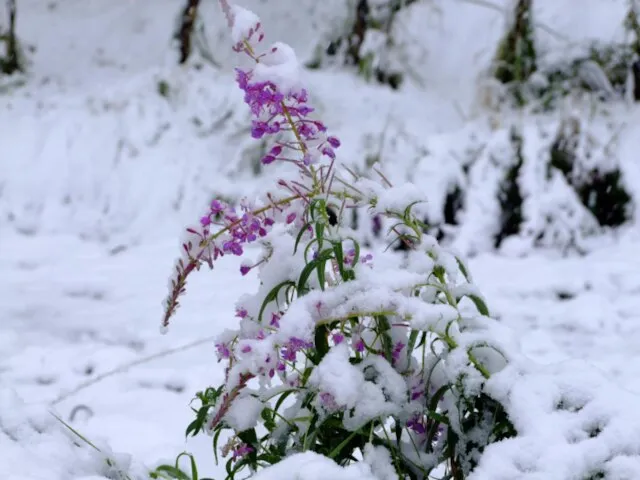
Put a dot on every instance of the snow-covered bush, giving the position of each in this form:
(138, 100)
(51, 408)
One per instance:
(367, 42)
(552, 165)
(383, 360)
(555, 182)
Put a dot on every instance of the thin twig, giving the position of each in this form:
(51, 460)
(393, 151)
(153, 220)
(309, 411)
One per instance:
(127, 366)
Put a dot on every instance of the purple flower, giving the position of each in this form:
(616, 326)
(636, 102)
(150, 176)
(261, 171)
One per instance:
(416, 424)
(359, 346)
(241, 450)
(338, 338)
(258, 129)
(275, 320)
(292, 347)
(217, 207)
(395, 355)
(244, 269)
(276, 150)
(223, 351)
(291, 217)
(272, 109)
(328, 401)
(233, 247)
(366, 259)
(241, 312)
(377, 225)
(329, 152)
(246, 349)
(333, 141)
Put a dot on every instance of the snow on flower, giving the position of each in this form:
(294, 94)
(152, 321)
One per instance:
(243, 413)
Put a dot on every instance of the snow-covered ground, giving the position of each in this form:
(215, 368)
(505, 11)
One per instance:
(98, 173)
(72, 310)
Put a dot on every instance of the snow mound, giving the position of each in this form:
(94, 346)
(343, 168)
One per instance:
(571, 422)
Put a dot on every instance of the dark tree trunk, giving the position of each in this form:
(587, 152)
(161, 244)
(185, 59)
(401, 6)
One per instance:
(11, 62)
(185, 33)
(356, 38)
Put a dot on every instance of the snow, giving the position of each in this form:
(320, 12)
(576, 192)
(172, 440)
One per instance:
(99, 173)
(243, 22)
(311, 466)
(243, 413)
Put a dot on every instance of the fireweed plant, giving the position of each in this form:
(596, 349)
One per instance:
(381, 361)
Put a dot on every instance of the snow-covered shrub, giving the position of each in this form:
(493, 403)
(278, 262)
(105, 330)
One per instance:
(367, 41)
(605, 69)
(381, 361)
(555, 179)
(553, 182)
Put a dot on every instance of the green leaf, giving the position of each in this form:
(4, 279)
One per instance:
(480, 304)
(272, 295)
(320, 261)
(194, 468)
(342, 444)
(413, 338)
(216, 437)
(321, 343)
(172, 472)
(267, 417)
(320, 234)
(356, 247)
(383, 331)
(339, 255)
(282, 398)
(463, 269)
(300, 234)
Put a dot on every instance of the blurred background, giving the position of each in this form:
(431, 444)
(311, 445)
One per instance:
(120, 121)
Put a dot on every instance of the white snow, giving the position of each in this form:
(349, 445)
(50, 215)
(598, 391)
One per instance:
(243, 413)
(243, 23)
(99, 173)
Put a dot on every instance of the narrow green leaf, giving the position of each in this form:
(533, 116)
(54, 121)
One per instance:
(272, 295)
(480, 304)
(173, 472)
(342, 444)
(216, 437)
(194, 468)
(299, 237)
